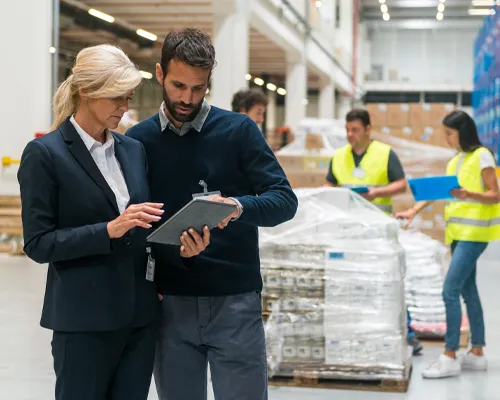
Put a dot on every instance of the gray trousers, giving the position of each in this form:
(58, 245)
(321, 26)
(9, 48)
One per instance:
(226, 332)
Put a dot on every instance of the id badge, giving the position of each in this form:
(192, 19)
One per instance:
(150, 267)
(359, 173)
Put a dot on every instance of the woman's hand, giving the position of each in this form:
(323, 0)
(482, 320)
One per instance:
(460, 193)
(141, 215)
(407, 215)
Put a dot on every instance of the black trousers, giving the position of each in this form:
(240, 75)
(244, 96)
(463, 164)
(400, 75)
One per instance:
(114, 365)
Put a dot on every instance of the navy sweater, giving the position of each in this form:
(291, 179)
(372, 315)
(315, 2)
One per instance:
(231, 155)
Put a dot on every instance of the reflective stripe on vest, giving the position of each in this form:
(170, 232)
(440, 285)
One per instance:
(375, 165)
(470, 220)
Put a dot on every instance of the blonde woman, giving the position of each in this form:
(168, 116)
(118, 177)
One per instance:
(84, 192)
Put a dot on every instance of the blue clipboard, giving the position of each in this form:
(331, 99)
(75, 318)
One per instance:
(433, 187)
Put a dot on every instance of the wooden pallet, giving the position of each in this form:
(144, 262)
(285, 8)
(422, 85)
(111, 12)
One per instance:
(361, 383)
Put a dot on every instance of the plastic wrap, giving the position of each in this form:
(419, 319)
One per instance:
(333, 281)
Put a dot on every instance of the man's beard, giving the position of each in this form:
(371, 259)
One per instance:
(170, 105)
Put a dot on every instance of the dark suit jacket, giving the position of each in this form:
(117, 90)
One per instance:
(93, 283)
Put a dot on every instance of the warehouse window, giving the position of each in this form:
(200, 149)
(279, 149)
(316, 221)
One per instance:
(392, 97)
(441, 97)
(467, 99)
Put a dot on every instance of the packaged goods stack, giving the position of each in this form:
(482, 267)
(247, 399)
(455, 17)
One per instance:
(425, 271)
(417, 122)
(333, 282)
(11, 229)
(486, 95)
(306, 159)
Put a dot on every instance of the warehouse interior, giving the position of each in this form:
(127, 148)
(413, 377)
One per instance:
(336, 326)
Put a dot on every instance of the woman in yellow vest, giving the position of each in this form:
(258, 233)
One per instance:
(473, 220)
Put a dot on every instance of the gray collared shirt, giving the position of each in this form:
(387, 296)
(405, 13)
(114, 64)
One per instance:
(196, 123)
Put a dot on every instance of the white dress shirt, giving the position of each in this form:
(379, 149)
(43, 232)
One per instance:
(105, 159)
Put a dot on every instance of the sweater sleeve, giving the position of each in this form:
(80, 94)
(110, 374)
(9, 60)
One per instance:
(273, 200)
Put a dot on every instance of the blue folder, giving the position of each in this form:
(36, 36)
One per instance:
(433, 187)
(359, 189)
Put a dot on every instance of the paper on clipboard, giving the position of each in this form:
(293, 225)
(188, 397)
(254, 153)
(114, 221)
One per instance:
(433, 187)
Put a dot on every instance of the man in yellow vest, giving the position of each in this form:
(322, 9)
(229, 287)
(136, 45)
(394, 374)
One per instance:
(366, 163)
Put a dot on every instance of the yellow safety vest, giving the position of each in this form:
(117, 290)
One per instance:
(470, 220)
(374, 165)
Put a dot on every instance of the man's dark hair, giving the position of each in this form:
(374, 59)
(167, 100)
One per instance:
(358, 115)
(189, 45)
(246, 99)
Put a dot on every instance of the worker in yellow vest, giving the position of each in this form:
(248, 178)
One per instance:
(473, 220)
(367, 163)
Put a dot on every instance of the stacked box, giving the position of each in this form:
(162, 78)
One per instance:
(333, 279)
(417, 122)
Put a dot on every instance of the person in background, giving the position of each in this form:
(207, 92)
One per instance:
(251, 102)
(366, 162)
(212, 309)
(85, 212)
(472, 221)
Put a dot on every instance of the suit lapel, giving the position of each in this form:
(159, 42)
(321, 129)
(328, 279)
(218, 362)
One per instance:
(123, 160)
(82, 155)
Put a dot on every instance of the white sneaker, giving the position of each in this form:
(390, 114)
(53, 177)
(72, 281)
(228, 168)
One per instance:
(471, 362)
(443, 367)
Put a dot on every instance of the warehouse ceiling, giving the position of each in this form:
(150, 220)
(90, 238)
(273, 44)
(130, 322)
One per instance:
(158, 17)
(420, 10)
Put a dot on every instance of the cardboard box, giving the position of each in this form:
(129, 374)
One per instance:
(316, 163)
(426, 114)
(300, 179)
(314, 141)
(290, 162)
(398, 115)
(378, 113)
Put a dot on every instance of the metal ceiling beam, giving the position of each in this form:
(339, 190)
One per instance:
(417, 4)
(425, 24)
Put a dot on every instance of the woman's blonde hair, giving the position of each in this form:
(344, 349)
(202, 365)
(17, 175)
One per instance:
(102, 71)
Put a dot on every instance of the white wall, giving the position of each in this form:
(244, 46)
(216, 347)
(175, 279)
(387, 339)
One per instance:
(25, 78)
(425, 56)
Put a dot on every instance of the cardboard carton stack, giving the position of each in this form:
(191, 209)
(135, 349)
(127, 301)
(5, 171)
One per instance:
(307, 158)
(419, 122)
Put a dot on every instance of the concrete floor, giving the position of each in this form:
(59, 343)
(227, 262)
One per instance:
(26, 363)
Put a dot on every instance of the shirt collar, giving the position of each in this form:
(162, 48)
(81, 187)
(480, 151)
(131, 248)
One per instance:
(196, 123)
(89, 141)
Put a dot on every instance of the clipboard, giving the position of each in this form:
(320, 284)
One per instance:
(198, 213)
(433, 187)
(359, 189)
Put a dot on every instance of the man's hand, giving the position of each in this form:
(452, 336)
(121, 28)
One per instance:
(370, 195)
(235, 214)
(135, 215)
(460, 193)
(193, 244)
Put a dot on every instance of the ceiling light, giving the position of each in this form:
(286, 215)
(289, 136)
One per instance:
(384, 8)
(101, 15)
(318, 3)
(146, 74)
(259, 81)
(52, 50)
(439, 16)
(441, 7)
(248, 77)
(481, 11)
(281, 91)
(381, 1)
(147, 35)
(483, 3)
(271, 86)
(386, 17)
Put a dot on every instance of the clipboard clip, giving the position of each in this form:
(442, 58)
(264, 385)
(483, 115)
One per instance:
(205, 193)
